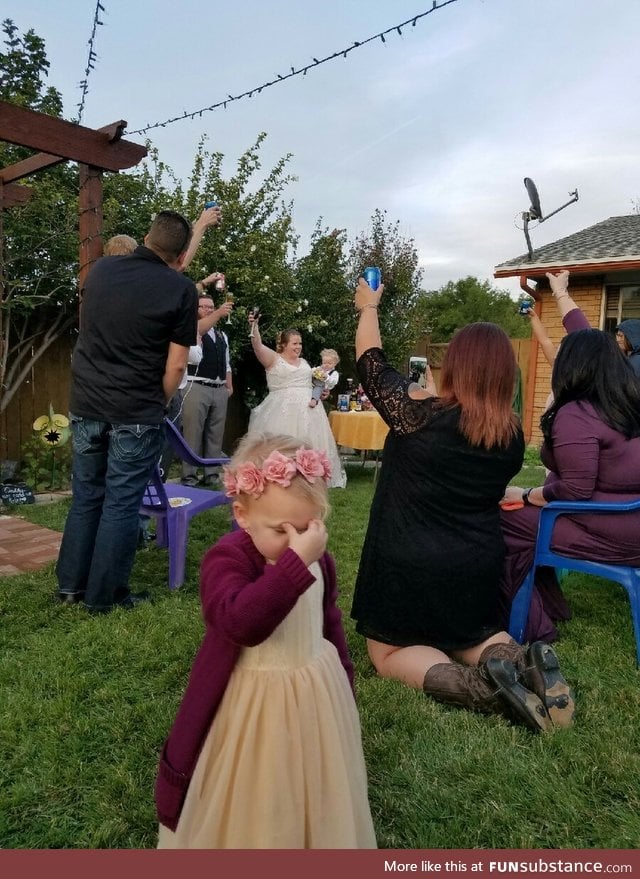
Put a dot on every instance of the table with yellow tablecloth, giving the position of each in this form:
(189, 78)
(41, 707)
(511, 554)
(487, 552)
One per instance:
(365, 431)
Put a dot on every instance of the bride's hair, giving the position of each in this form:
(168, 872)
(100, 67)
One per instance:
(283, 337)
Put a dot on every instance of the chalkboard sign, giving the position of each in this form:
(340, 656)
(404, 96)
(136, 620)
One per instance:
(16, 493)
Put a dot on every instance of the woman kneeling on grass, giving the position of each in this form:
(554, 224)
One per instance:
(426, 596)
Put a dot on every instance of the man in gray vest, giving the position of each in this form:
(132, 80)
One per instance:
(209, 386)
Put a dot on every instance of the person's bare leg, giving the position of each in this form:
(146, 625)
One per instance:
(471, 655)
(406, 664)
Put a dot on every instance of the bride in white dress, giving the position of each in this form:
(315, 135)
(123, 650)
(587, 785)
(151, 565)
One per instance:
(286, 408)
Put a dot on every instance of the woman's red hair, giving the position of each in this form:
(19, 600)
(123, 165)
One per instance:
(479, 375)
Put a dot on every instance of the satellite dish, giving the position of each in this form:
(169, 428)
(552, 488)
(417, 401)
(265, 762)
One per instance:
(535, 211)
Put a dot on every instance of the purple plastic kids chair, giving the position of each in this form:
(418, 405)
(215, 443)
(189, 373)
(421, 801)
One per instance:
(173, 506)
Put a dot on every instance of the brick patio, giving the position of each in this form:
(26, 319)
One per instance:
(26, 547)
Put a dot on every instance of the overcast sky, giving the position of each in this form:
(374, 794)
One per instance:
(438, 125)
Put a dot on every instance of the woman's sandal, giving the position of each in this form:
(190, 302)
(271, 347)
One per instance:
(559, 699)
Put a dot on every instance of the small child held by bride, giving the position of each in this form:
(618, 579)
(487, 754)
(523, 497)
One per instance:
(266, 749)
(324, 377)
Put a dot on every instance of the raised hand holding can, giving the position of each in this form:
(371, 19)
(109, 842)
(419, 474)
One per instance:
(373, 276)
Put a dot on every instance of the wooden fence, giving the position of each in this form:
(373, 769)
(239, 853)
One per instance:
(49, 383)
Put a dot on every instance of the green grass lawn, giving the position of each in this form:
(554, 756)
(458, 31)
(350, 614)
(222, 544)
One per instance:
(87, 701)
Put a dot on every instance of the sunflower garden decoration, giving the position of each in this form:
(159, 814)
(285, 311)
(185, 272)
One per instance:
(53, 431)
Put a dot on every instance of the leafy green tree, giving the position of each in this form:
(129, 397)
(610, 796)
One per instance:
(400, 312)
(24, 66)
(254, 242)
(254, 247)
(38, 261)
(131, 198)
(325, 297)
(466, 301)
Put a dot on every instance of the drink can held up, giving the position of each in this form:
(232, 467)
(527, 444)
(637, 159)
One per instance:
(220, 282)
(525, 303)
(373, 276)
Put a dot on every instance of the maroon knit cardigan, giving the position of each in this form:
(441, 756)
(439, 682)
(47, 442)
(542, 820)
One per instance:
(243, 601)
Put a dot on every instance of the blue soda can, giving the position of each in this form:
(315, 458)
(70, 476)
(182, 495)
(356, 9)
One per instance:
(373, 276)
(211, 204)
(524, 304)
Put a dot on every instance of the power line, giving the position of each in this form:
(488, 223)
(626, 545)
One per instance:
(91, 59)
(397, 28)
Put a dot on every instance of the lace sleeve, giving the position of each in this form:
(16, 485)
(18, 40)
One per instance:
(388, 391)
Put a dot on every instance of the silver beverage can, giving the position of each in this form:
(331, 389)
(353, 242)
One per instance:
(373, 276)
(220, 283)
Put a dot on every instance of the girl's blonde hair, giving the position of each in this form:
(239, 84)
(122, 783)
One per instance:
(330, 354)
(256, 448)
(120, 245)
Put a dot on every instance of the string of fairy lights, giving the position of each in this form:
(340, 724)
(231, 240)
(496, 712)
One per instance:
(300, 71)
(255, 90)
(91, 59)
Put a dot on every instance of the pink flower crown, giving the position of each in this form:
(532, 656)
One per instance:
(278, 469)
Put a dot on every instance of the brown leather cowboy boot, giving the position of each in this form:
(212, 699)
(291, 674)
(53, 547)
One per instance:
(493, 688)
(539, 670)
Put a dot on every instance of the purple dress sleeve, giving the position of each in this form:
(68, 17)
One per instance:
(575, 320)
(574, 457)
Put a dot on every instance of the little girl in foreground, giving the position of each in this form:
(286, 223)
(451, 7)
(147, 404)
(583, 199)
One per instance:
(265, 751)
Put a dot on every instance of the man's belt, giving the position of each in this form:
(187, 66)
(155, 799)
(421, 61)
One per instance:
(206, 381)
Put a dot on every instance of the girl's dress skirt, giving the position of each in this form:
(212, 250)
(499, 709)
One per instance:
(282, 766)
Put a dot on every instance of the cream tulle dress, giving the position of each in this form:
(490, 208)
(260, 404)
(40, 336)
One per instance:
(282, 766)
(286, 410)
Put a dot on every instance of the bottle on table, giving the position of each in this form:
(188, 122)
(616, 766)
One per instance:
(353, 395)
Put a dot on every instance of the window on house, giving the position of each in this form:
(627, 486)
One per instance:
(622, 302)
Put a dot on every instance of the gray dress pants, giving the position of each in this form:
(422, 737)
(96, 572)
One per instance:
(204, 411)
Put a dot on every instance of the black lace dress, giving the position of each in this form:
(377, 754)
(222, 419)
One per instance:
(433, 552)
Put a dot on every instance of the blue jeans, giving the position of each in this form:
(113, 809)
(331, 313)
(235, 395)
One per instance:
(112, 464)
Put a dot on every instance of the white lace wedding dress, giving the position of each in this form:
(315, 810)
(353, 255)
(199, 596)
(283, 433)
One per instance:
(286, 410)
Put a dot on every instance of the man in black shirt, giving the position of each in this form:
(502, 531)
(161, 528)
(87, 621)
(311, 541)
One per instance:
(137, 321)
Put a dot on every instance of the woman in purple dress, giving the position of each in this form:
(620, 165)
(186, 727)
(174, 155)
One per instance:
(592, 451)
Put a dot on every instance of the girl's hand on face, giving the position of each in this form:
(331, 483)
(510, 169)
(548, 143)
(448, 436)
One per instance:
(310, 543)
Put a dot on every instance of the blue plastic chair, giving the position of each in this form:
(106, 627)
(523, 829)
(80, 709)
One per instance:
(627, 576)
(172, 521)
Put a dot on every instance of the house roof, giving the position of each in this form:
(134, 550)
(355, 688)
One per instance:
(611, 244)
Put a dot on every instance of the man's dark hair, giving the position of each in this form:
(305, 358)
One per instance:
(169, 235)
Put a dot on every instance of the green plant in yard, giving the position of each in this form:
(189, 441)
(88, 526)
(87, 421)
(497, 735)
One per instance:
(45, 467)
(87, 702)
(532, 456)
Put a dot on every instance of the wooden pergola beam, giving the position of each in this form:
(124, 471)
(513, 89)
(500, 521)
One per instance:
(62, 141)
(45, 160)
(12, 195)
